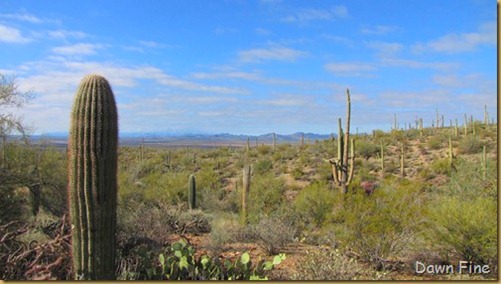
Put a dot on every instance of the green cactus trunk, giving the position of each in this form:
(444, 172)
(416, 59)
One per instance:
(274, 142)
(92, 177)
(192, 192)
(343, 167)
(246, 181)
(402, 161)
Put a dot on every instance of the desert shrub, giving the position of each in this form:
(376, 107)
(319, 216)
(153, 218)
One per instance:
(324, 171)
(465, 229)
(263, 166)
(436, 142)
(273, 234)
(463, 214)
(470, 145)
(314, 204)
(265, 197)
(297, 171)
(327, 264)
(441, 167)
(264, 150)
(222, 232)
(383, 224)
(366, 149)
(161, 221)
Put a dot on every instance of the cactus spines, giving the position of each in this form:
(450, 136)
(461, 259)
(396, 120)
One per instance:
(192, 192)
(343, 167)
(246, 181)
(92, 187)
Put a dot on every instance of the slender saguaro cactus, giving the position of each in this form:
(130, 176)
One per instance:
(382, 159)
(246, 181)
(451, 154)
(302, 139)
(248, 144)
(92, 185)
(343, 167)
(192, 192)
(402, 157)
(456, 129)
(484, 163)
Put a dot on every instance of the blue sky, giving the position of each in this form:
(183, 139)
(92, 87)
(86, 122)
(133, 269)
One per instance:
(254, 67)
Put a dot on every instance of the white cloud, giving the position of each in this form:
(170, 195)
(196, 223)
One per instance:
(78, 49)
(11, 35)
(461, 42)
(395, 62)
(349, 68)
(385, 48)
(273, 53)
(305, 15)
(262, 31)
(25, 17)
(379, 30)
(64, 34)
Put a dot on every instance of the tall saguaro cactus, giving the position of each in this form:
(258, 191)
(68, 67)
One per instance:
(192, 192)
(343, 167)
(92, 177)
(246, 180)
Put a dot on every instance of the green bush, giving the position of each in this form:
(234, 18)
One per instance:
(441, 166)
(470, 145)
(463, 214)
(465, 229)
(265, 197)
(436, 142)
(366, 149)
(383, 224)
(315, 204)
(262, 166)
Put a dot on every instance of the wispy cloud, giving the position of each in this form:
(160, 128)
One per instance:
(416, 64)
(12, 35)
(385, 49)
(78, 49)
(305, 15)
(461, 42)
(222, 31)
(379, 30)
(65, 34)
(349, 68)
(288, 101)
(262, 31)
(25, 17)
(272, 53)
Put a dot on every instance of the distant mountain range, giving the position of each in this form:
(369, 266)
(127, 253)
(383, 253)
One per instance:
(159, 137)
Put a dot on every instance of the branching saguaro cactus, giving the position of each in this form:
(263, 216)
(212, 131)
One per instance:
(92, 179)
(192, 192)
(343, 167)
(246, 181)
